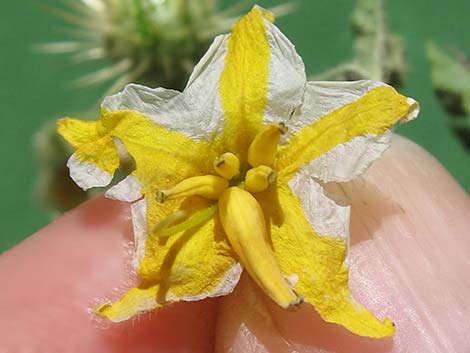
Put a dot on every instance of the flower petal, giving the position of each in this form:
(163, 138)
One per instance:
(287, 79)
(139, 225)
(265, 63)
(328, 216)
(244, 81)
(136, 300)
(349, 160)
(95, 160)
(190, 265)
(357, 114)
(316, 261)
(88, 175)
(127, 190)
(77, 132)
(263, 79)
(163, 157)
(195, 112)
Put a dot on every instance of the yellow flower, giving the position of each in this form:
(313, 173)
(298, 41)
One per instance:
(228, 175)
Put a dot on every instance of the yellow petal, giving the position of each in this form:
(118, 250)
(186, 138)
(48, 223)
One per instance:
(373, 113)
(102, 153)
(96, 158)
(318, 263)
(77, 132)
(163, 157)
(194, 263)
(136, 300)
(190, 265)
(244, 81)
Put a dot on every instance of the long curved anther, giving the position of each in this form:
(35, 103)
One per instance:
(207, 186)
(264, 147)
(243, 222)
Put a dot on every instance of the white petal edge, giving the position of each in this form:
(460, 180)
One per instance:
(287, 79)
(87, 175)
(349, 160)
(139, 223)
(352, 158)
(413, 112)
(127, 190)
(225, 287)
(323, 97)
(195, 112)
(327, 217)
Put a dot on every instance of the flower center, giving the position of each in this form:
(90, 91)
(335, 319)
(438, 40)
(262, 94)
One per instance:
(239, 212)
(257, 178)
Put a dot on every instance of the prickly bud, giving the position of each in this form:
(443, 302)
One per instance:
(264, 147)
(208, 186)
(243, 222)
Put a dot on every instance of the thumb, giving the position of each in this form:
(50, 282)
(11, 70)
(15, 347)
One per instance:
(409, 261)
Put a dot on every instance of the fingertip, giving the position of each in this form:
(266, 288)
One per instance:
(53, 280)
(408, 262)
(251, 322)
(245, 323)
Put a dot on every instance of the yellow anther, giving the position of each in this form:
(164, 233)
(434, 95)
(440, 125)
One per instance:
(264, 147)
(208, 186)
(258, 179)
(243, 221)
(227, 165)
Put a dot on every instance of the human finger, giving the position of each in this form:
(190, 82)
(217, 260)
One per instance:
(53, 279)
(409, 262)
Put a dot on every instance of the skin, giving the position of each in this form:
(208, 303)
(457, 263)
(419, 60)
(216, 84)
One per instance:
(409, 261)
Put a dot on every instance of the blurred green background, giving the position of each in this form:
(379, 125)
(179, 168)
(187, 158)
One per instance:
(35, 88)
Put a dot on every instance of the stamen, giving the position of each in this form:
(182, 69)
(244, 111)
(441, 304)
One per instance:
(258, 179)
(193, 221)
(264, 147)
(243, 221)
(227, 165)
(207, 186)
